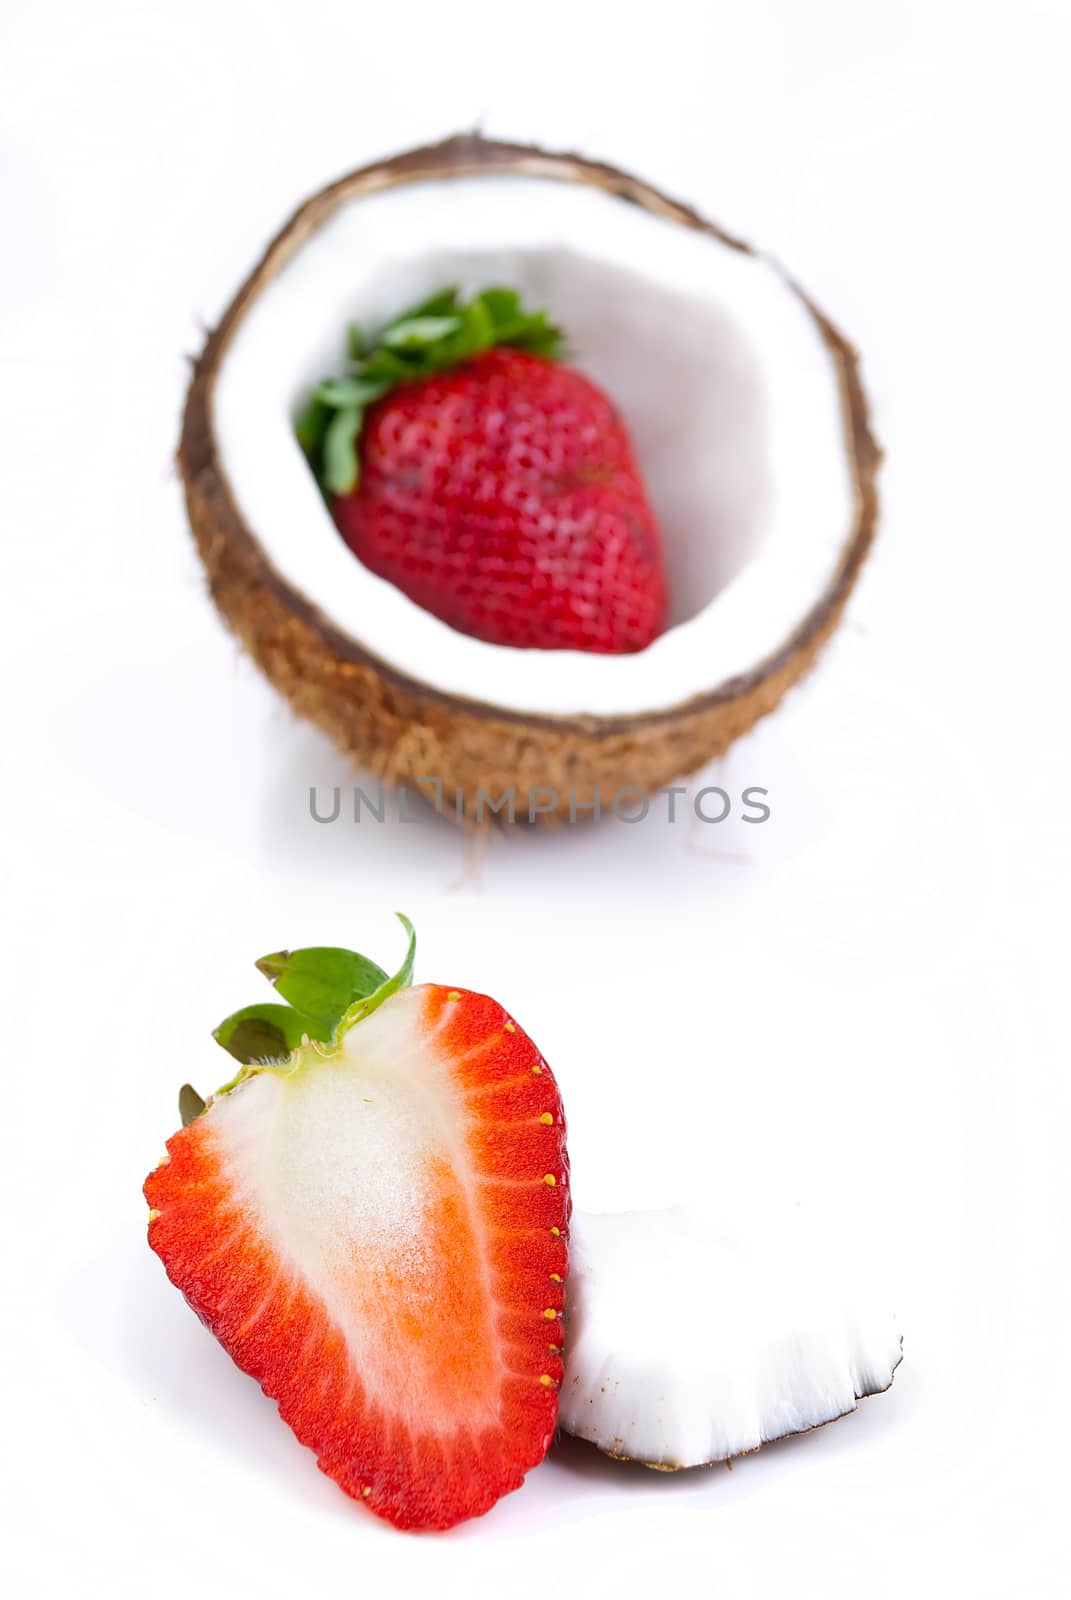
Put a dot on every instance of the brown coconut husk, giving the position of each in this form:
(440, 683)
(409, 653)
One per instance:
(402, 730)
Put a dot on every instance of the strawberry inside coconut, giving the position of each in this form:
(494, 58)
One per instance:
(495, 486)
(745, 405)
(372, 1218)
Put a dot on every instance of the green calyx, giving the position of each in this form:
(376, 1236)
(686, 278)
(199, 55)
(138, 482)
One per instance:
(326, 991)
(439, 333)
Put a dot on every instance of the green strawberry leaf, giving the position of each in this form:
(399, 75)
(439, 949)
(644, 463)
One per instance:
(341, 468)
(535, 334)
(416, 333)
(503, 306)
(478, 326)
(311, 426)
(339, 394)
(441, 304)
(267, 1032)
(388, 367)
(439, 333)
(322, 981)
(190, 1104)
(354, 342)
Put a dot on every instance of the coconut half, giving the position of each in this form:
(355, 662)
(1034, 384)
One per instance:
(750, 426)
(687, 1345)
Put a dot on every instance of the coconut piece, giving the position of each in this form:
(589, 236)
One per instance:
(686, 1345)
(749, 420)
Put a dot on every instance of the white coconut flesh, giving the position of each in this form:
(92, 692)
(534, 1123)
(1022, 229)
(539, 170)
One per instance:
(686, 1345)
(731, 394)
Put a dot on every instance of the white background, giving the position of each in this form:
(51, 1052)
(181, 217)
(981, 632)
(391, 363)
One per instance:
(857, 1005)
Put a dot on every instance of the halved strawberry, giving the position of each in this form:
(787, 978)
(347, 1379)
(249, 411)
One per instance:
(375, 1225)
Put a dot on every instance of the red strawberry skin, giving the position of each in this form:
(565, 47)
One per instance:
(448, 1393)
(504, 497)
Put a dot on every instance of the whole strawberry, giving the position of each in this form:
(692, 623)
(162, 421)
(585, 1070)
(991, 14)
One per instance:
(494, 486)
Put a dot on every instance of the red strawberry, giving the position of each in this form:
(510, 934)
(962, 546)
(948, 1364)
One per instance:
(494, 486)
(376, 1230)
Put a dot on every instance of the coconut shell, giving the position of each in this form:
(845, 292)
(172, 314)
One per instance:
(402, 730)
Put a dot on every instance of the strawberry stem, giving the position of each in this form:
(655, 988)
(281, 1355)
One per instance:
(363, 1005)
(441, 332)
